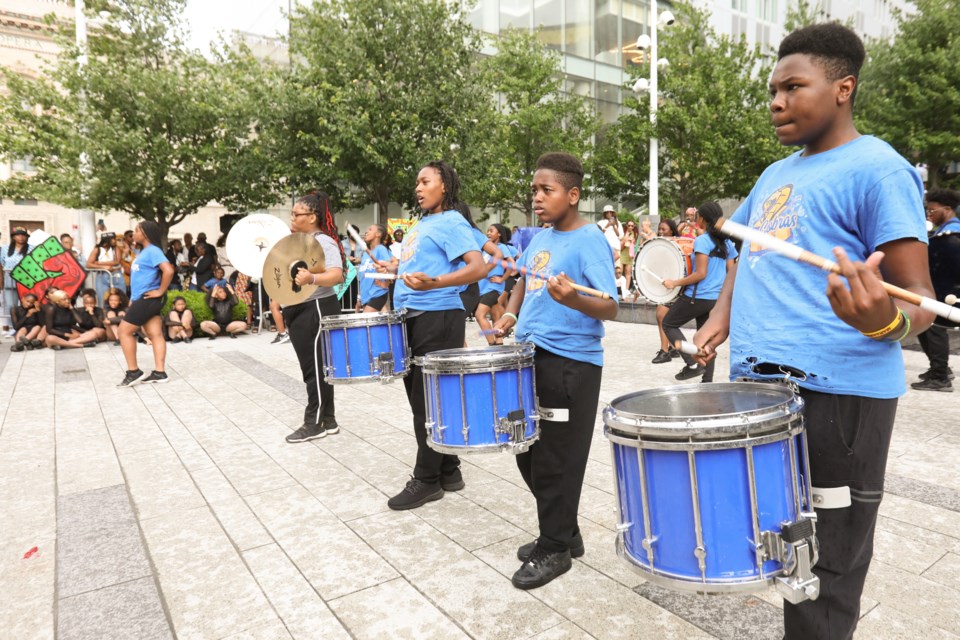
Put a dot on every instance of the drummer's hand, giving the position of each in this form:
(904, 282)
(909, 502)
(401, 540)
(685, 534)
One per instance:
(496, 279)
(359, 307)
(383, 284)
(711, 335)
(303, 277)
(419, 281)
(865, 305)
(560, 290)
(668, 284)
(504, 324)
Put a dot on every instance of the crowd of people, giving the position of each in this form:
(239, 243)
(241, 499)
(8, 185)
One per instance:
(445, 267)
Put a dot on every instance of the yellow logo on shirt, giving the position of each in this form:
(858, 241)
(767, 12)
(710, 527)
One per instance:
(409, 245)
(779, 215)
(538, 268)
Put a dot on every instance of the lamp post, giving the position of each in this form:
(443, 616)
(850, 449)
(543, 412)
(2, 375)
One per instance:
(649, 43)
(83, 218)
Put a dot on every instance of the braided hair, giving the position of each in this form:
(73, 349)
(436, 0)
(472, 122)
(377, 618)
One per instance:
(711, 212)
(318, 203)
(451, 184)
(464, 210)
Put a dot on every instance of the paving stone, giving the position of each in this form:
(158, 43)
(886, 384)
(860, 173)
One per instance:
(122, 611)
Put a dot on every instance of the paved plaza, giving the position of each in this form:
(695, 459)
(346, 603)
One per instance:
(178, 510)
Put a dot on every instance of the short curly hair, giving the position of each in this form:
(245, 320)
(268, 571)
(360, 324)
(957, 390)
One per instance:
(568, 168)
(837, 49)
(946, 197)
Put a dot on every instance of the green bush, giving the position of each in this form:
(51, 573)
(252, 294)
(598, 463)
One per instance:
(196, 302)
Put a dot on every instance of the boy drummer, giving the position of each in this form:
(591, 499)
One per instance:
(855, 195)
(566, 328)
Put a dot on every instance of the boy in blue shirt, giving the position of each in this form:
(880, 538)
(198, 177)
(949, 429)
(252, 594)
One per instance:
(566, 328)
(855, 195)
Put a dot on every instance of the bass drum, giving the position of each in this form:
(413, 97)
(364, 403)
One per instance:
(662, 259)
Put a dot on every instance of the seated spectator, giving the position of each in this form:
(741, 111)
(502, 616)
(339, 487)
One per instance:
(218, 280)
(115, 308)
(179, 321)
(62, 323)
(92, 317)
(28, 324)
(222, 301)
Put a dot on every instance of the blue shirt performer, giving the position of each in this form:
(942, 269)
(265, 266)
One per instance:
(428, 288)
(374, 293)
(566, 328)
(150, 277)
(854, 195)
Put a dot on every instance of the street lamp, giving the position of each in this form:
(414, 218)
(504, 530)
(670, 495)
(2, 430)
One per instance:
(649, 43)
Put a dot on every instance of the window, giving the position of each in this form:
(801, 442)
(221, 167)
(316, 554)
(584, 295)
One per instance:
(515, 13)
(605, 32)
(576, 29)
(24, 165)
(30, 202)
(738, 26)
(548, 17)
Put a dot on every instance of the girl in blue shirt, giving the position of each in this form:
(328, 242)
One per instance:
(373, 293)
(491, 287)
(430, 276)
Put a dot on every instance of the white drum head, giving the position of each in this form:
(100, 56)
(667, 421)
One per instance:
(659, 259)
(251, 239)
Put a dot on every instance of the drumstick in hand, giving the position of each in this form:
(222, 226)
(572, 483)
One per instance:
(644, 268)
(376, 275)
(792, 251)
(689, 348)
(596, 293)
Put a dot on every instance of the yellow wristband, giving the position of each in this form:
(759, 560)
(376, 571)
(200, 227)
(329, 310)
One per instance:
(903, 334)
(879, 333)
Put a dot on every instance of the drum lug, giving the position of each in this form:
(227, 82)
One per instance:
(385, 364)
(647, 544)
(701, 555)
(514, 426)
(797, 546)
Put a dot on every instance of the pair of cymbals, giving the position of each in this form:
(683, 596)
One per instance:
(289, 255)
(251, 239)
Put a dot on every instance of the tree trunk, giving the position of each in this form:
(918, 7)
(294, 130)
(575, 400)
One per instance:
(933, 175)
(528, 209)
(382, 197)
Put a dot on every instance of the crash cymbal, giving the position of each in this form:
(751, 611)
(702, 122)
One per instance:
(279, 269)
(251, 239)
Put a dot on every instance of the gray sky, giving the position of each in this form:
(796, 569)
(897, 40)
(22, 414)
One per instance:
(205, 18)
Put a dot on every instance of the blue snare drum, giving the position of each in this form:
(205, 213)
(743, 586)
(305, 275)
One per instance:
(364, 347)
(481, 400)
(713, 488)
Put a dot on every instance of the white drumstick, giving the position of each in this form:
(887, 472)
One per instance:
(643, 268)
(373, 275)
(951, 299)
(356, 238)
(688, 348)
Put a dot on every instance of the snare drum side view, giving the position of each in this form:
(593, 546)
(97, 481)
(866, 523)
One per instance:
(364, 347)
(713, 488)
(481, 400)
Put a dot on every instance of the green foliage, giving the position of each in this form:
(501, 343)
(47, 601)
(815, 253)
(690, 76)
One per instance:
(164, 130)
(377, 89)
(197, 303)
(534, 117)
(713, 123)
(909, 92)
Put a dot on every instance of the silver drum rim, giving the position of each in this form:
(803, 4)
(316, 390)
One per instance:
(478, 359)
(370, 319)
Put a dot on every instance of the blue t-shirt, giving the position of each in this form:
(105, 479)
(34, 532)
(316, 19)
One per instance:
(481, 239)
(709, 287)
(145, 271)
(498, 271)
(215, 282)
(584, 255)
(857, 196)
(434, 246)
(369, 290)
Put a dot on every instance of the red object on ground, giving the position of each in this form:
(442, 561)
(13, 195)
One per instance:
(31, 553)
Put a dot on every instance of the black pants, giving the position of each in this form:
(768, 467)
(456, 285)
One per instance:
(848, 438)
(682, 311)
(553, 468)
(427, 332)
(303, 327)
(936, 344)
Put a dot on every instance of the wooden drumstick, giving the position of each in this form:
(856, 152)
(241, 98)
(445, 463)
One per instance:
(689, 348)
(951, 299)
(596, 293)
(792, 251)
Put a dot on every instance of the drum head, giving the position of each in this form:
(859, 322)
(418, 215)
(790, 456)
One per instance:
(348, 318)
(479, 358)
(659, 259)
(250, 240)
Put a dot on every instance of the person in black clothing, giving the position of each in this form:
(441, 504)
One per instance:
(222, 301)
(28, 324)
(179, 321)
(63, 324)
(92, 317)
(203, 268)
(173, 255)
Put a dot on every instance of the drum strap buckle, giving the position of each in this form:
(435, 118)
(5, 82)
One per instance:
(795, 547)
(514, 426)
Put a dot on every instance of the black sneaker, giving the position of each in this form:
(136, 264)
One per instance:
(36, 344)
(307, 432)
(541, 567)
(132, 378)
(279, 338)
(933, 384)
(89, 345)
(212, 338)
(452, 481)
(673, 353)
(156, 377)
(330, 426)
(576, 549)
(188, 339)
(416, 494)
(233, 336)
(17, 347)
(930, 373)
(661, 357)
(690, 371)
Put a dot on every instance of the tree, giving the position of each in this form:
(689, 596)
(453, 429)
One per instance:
(164, 130)
(534, 117)
(713, 121)
(909, 92)
(377, 89)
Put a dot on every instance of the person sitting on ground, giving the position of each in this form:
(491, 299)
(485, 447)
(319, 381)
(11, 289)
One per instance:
(91, 316)
(179, 321)
(218, 280)
(114, 308)
(62, 323)
(222, 301)
(27, 324)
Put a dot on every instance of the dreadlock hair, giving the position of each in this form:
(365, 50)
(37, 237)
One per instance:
(464, 210)
(151, 230)
(503, 231)
(835, 48)
(711, 212)
(318, 203)
(568, 168)
(385, 238)
(451, 183)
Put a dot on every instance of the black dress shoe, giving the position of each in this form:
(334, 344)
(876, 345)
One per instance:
(541, 567)
(576, 548)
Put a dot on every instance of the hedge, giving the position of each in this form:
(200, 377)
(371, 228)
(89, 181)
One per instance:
(196, 302)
